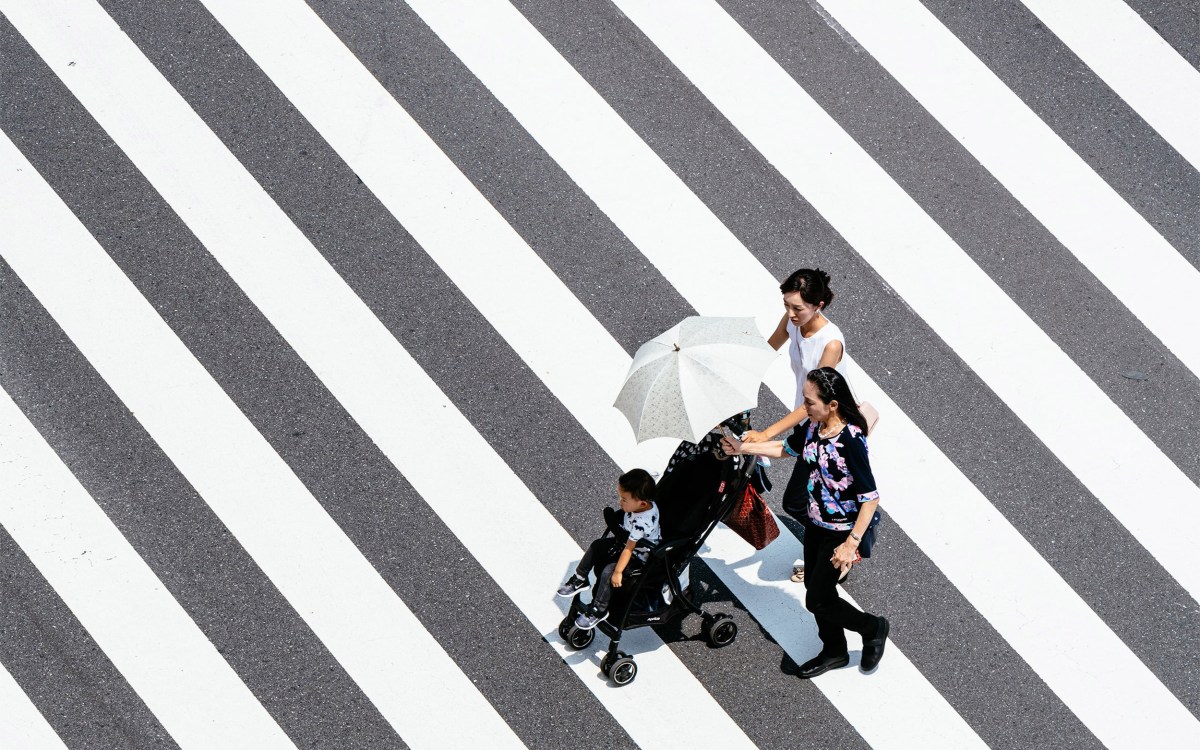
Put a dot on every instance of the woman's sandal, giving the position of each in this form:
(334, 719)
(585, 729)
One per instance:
(798, 574)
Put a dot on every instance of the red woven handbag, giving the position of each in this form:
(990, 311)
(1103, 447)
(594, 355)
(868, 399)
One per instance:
(752, 520)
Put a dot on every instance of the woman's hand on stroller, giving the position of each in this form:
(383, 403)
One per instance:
(731, 446)
(754, 436)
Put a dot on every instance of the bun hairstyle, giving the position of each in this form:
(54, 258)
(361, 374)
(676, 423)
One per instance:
(832, 386)
(639, 483)
(813, 285)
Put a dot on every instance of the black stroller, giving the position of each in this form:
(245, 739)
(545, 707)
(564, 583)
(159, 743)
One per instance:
(692, 497)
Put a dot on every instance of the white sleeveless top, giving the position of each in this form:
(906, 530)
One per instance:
(806, 353)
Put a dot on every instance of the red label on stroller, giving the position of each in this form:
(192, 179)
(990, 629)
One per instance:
(721, 488)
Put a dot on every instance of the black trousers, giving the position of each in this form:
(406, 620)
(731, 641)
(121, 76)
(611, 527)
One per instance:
(597, 553)
(834, 615)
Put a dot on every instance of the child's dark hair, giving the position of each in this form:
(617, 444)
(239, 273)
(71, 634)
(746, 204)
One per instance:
(639, 483)
(813, 285)
(832, 386)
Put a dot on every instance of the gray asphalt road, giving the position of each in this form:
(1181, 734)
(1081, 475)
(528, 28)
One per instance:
(269, 645)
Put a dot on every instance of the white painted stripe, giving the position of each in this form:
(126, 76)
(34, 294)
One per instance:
(337, 591)
(568, 349)
(1059, 636)
(148, 637)
(1135, 62)
(1080, 209)
(21, 724)
(365, 368)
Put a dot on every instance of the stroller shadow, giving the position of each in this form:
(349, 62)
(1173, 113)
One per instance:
(707, 589)
(769, 573)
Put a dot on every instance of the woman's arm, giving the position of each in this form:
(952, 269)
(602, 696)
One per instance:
(863, 487)
(780, 336)
(778, 339)
(622, 561)
(773, 449)
(831, 354)
(780, 427)
(843, 554)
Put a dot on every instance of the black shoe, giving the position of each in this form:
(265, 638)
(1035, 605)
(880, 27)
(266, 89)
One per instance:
(590, 619)
(573, 585)
(873, 648)
(822, 664)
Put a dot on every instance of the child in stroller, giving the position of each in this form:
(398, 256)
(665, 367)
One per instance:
(698, 489)
(640, 529)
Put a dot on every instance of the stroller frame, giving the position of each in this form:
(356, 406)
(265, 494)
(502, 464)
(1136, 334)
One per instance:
(719, 629)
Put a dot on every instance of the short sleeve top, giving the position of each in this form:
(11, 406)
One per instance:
(839, 474)
(643, 525)
(805, 353)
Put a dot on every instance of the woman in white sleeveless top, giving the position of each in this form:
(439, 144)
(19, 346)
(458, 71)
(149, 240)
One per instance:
(813, 342)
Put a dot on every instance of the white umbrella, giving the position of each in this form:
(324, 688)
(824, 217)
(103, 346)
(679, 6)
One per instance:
(691, 378)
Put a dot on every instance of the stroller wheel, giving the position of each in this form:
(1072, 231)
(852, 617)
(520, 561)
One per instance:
(622, 670)
(609, 659)
(577, 639)
(607, 662)
(564, 627)
(720, 631)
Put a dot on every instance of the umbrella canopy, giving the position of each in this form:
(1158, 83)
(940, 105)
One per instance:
(686, 381)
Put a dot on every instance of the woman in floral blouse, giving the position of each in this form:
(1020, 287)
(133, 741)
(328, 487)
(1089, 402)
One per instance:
(836, 509)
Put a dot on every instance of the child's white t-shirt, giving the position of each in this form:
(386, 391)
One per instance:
(643, 525)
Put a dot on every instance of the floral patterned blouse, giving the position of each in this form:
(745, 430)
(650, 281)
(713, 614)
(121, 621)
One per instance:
(839, 475)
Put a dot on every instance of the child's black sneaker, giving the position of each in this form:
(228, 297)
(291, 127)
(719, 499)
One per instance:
(573, 584)
(589, 619)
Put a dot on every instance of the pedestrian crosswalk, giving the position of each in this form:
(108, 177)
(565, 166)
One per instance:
(110, 589)
(365, 282)
(574, 376)
(255, 494)
(1137, 63)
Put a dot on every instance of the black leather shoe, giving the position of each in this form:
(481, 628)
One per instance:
(822, 664)
(873, 648)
